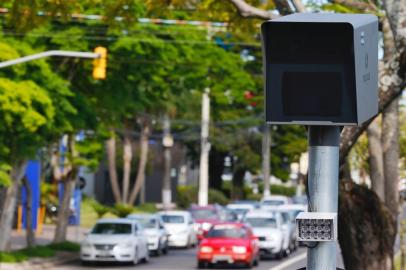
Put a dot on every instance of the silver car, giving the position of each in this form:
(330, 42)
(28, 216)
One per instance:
(155, 231)
(115, 240)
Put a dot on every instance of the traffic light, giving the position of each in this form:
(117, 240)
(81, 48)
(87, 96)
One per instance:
(100, 64)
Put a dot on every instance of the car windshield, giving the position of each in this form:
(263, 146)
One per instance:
(112, 228)
(147, 222)
(204, 214)
(173, 219)
(227, 231)
(260, 222)
(272, 202)
(240, 211)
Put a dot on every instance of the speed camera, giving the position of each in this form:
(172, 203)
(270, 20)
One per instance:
(321, 69)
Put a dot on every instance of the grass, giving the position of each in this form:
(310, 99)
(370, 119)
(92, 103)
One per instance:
(38, 252)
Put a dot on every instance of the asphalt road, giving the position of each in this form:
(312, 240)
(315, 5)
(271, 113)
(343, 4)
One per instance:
(182, 259)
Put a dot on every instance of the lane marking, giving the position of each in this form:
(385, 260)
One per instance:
(289, 262)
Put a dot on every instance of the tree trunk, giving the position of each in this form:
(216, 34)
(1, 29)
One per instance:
(9, 204)
(69, 183)
(30, 236)
(390, 145)
(216, 168)
(64, 209)
(366, 231)
(376, 159)
(111, 157)
(127, 158)
(237, 192)
(140, 178)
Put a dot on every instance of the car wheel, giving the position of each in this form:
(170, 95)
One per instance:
(135, 259)
(256, 262)
(85, 263)
(146, 258)
(202, 264)
(279, 255)
(166, 249)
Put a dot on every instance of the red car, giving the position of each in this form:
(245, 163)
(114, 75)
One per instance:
(229, 243)
(205, 217)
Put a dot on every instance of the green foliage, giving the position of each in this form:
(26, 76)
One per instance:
(122, 210)
(99, 208)
(5, 175)
(38, 251)
(187, 195)
(65, 246)
(146, 207)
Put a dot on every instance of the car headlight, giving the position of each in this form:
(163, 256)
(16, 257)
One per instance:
(86, 244)
(239, 249)
(125, 245)
(206, 226)
(206, 249)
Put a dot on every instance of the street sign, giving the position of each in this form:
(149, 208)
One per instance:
(321, 69)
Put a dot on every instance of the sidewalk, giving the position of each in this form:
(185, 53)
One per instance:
(74, 234)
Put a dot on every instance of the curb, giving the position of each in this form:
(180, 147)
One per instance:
(41, 263)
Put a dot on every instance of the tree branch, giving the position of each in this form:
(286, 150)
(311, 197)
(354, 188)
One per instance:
(248, 11)
(390, 87)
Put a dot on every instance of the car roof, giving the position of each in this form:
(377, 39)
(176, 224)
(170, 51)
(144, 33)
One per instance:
(117, 220)
(275, 197)
(287, 207)
(261, 213)
(174, 212)
(142, 215)
(237, 224)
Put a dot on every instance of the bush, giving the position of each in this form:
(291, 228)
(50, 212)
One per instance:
(282, 190)
(216, 196)
(187, 195)
(147, 207)
(122, 210)
(99, 208)
(65, 246)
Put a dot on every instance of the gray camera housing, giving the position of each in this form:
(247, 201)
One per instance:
(321, 68)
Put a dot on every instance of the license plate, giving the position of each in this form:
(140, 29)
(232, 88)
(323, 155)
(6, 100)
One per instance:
(105, 253)
(222, 258)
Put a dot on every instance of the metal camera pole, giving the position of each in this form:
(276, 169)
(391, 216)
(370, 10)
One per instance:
(324, 142)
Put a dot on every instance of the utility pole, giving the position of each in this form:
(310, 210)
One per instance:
(324, 142)
(266, 152)
(167, 142)
(204, 151)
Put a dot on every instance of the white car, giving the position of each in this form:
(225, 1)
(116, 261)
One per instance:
(155, 231)
(273, 201)
(115, 240)
(179, 225)
(240, 209)
(268, 227)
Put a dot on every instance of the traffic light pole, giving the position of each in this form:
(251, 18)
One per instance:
(324, 142)
(28, 58)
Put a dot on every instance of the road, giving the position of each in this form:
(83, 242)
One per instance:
(181, 259)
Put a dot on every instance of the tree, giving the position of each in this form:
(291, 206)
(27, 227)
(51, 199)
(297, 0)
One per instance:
(27, 112)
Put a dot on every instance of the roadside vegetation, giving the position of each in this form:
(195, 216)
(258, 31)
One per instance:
(38, 252)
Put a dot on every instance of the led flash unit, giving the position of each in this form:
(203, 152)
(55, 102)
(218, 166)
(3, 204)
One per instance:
(316, 226)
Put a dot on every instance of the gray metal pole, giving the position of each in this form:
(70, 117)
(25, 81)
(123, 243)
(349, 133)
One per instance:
(324, 142)
(48, 54)
(266, 163)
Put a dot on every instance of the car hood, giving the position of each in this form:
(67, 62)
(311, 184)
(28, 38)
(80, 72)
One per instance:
(107, 239)
(151, 232)
(175, 228)
(224, 242)
(206, 220)
(267, 232)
